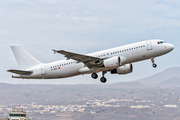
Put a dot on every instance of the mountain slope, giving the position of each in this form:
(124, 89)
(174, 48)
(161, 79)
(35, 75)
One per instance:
(162, 76)
(173, 82)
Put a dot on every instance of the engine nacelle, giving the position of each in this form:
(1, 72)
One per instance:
(125, 69)
(112, 62)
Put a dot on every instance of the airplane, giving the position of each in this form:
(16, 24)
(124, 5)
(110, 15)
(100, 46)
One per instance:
(116, 61)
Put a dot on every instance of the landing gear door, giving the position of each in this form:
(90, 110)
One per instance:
(43, 70)
(149, 45)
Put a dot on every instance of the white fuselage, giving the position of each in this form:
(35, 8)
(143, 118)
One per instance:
(129, 53)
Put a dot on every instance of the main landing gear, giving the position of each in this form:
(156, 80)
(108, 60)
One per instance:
(103, 79)
(153, 61)
(94, 75)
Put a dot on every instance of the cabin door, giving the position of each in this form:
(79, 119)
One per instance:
(43, 70)
(149, 45)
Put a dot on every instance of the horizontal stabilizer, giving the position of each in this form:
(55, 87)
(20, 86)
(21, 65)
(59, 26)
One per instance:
(21, 72)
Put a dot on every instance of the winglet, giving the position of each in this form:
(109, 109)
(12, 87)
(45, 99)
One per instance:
(55, 51)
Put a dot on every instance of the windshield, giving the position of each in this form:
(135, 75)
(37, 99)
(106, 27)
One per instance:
(161, 42)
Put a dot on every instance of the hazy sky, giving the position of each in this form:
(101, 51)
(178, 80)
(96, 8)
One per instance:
(86, 26)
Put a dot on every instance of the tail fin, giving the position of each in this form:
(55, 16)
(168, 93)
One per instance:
(23, 58)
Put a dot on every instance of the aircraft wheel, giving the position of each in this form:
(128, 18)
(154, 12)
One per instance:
(154, 65)
(103, 80)
(94, 75)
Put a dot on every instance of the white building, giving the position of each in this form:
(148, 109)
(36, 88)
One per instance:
(18, 114)
(170, 106)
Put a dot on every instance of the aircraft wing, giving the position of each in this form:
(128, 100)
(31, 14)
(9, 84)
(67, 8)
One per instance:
(21, 72)
(87, 60)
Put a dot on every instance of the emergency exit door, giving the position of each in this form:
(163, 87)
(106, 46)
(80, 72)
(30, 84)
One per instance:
(43, 70)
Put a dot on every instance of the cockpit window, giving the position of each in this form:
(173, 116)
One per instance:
(161, 42)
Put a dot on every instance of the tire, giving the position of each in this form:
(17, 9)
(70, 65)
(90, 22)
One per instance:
(154, 65)
(94, 75)
(103, 80)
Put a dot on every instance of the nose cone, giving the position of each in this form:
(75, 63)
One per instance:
(170, 47)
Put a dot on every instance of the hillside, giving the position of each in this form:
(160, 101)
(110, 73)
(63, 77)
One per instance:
(173, 82)
(63, 94)
(162, 76)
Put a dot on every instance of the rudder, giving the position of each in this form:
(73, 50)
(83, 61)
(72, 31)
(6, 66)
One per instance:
(23, 58)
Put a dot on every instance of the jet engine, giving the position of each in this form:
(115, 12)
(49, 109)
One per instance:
(114, 61)
(125, 69)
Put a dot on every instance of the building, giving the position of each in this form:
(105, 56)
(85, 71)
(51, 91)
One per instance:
(17, 114)
(170, 106)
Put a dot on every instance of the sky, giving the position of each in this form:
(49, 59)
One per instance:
(83, 27)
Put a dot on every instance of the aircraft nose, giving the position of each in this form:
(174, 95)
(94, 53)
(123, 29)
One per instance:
(171, 47)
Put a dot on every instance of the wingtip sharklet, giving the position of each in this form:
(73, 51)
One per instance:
(55, 51)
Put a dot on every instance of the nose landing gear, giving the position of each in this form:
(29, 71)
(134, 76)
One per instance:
(154, 65)
(153, 61)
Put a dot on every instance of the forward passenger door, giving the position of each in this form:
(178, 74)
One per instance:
(149, 45)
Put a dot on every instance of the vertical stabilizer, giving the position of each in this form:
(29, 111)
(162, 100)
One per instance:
(23, 58)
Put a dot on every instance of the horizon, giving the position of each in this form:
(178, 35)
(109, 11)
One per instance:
(133, 81)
